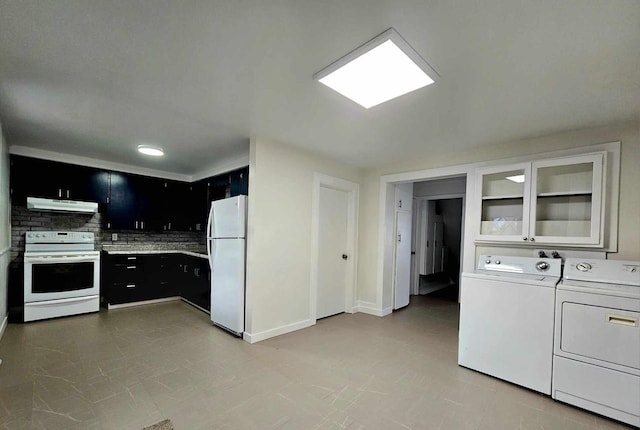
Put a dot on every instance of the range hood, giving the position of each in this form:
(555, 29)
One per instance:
(52, 205)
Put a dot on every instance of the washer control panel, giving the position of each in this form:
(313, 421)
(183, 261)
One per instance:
(522, 265)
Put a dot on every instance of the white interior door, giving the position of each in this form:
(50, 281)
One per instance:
(403, 259)
(332, 246)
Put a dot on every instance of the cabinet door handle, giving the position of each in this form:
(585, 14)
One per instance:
(142, 225)
(59, 192)
(131, 285)
(131, 267)
(532, 239)
(525, 238)
(131, 258)
(136, 225)
(67, 193)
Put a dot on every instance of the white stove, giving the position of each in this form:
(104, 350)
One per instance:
(61, 274)
(596, 363)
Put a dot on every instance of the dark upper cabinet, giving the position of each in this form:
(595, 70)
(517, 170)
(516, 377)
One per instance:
(127, 201)
(239, 182)
(56, 180)
(121, 211)
(135, 202)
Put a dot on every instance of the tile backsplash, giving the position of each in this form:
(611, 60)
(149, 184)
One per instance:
(23, 220)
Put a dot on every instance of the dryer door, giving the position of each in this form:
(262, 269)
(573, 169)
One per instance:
(607, 334)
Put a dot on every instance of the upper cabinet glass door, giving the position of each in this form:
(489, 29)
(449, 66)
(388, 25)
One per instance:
(567, 200)
(504, 202)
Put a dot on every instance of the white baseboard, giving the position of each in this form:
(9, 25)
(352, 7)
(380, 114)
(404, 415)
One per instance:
(371, 309)
(143, 302)
(3, 326)
(257, 337)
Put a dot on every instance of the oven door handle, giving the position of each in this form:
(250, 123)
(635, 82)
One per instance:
(57, 260)
(60, 301)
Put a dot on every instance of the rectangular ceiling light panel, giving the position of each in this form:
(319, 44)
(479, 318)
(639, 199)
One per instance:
(384, 68)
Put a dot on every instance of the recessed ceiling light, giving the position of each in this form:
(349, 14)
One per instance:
(382, 69)
(517, 178)
(151, 150)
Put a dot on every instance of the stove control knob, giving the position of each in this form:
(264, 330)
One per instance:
(542, 266)
(583, 267)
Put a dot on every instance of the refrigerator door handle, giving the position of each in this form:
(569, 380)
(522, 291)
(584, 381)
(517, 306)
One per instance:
(209, 221)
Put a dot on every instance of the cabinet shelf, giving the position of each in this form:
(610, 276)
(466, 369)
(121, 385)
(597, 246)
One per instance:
(508, 197)
(565, 193)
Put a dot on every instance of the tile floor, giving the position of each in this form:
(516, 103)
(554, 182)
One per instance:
(129, 368)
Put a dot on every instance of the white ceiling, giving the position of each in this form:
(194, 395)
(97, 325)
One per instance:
(96, 78)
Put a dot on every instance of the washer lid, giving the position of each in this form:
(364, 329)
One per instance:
(613, 272)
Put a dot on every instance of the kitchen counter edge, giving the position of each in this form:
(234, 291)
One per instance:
(156, 251)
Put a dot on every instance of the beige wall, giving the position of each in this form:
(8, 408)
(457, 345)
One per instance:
(279, 234)
(4, 228)
(629, 202)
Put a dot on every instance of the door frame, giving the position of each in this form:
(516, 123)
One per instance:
(420, 234)
(353, 191)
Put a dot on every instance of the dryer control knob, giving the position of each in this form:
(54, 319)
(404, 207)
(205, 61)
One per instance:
(583, 267)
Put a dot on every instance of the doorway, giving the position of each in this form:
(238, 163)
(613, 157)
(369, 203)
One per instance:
(438, 247)
(436, 224)
(333, 252)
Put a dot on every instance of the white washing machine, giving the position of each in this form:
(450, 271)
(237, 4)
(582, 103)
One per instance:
(596, 363)
(506, 319)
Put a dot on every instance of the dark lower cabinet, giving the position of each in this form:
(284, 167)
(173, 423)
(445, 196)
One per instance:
(195, 282)
(128, 278)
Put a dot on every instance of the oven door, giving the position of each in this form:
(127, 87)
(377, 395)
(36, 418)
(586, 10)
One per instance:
(58, 276)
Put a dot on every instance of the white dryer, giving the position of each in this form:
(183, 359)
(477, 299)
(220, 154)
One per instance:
(596, 363)
(506, 319)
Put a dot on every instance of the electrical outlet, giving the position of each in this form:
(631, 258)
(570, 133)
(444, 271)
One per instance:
(114, 237)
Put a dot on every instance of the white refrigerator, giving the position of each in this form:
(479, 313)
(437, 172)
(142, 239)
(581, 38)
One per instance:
(226, 247)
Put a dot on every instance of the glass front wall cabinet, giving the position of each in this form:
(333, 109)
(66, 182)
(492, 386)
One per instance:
(504, 200)
(555, 201)
(567, 200)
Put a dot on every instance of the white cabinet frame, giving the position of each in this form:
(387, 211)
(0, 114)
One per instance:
(530, 201)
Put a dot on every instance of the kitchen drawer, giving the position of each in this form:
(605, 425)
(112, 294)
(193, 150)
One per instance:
(122, 292)
(122, 273)
(125, 259)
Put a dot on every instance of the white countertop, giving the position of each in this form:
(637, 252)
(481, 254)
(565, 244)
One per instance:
(156, 251)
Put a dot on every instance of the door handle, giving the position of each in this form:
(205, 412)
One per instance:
(622, 320)
(345, 256)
